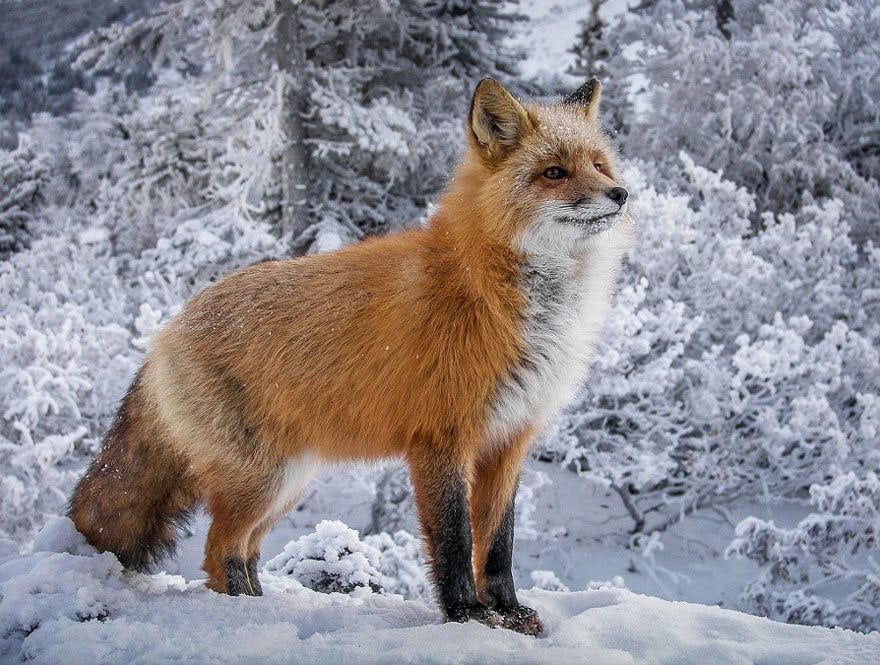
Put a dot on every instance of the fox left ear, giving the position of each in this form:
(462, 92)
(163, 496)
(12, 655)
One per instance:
(588, 96)
(497, 121)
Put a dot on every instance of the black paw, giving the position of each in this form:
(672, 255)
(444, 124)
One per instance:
(522, 619)
(238, 581)
(481, 613)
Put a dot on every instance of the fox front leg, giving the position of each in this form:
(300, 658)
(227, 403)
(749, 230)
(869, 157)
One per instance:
(441, 495)
(492, 514)
(499, 588)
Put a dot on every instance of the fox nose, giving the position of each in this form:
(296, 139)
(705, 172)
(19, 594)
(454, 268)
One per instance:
(618, 195)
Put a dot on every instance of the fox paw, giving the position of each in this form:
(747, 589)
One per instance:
(522, 619)
(481, 613)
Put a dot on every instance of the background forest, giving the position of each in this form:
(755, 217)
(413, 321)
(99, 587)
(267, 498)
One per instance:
(150, 148)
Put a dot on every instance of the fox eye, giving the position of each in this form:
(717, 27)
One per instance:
(599, 166)
(554, 173)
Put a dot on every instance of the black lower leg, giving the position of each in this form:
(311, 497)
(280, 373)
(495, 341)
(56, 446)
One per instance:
(237, 582)
(452, 544)
(253, 577)
(499, 588)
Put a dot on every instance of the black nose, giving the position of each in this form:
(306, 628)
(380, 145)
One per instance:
(618, 195)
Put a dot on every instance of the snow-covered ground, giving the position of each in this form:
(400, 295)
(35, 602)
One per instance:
(64, 603)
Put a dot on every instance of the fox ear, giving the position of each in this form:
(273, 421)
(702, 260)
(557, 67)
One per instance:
(497, 121)
(588, 96)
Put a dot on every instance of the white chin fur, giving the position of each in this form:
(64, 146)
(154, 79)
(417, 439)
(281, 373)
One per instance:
(559, 230)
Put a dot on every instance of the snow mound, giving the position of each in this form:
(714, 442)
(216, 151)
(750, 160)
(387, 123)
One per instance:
(332, 559)
(80, 607)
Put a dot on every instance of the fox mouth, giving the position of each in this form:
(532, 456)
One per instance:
(593, 225)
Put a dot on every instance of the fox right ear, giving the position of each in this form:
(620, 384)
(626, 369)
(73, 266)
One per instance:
(588, 95)
(497, 121)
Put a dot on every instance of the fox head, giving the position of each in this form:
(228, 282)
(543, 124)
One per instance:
(543, 179)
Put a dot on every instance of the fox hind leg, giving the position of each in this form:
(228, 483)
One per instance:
(242, 516)
(255, 541)
(233, 516)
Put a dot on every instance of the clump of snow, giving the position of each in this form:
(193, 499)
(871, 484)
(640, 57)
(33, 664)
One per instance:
(547, 580)
(616, 582)
(60, 535)
(64, 607)
(93, 234)
(63, 580)
(332, 559)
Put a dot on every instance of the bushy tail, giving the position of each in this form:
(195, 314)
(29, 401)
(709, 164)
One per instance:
(137, 492)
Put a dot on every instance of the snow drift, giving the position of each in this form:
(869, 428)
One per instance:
(64, 603)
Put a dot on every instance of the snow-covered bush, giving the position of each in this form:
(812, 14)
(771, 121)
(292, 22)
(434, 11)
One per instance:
(66, 362)
(781, 97)
(331, 559)
(736, 362)
(23, 179)
(823, 570)
(402, 564)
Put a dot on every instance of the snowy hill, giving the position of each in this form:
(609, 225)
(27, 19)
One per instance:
(64, 603)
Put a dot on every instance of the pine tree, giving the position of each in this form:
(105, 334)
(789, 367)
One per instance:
(389, 87)
(592, 56)
(590, 51)
(23, 180)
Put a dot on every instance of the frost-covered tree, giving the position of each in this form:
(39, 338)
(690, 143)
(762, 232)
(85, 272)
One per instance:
(592, 58)
(23, 180)
(389, 85)
(823, 571)
(208, 135)
(309, 115)
(590, 49)
(782, 97)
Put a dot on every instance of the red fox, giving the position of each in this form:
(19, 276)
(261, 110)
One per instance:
(449, 346)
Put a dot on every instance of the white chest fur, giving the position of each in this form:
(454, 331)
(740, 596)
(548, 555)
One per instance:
(566, 303)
